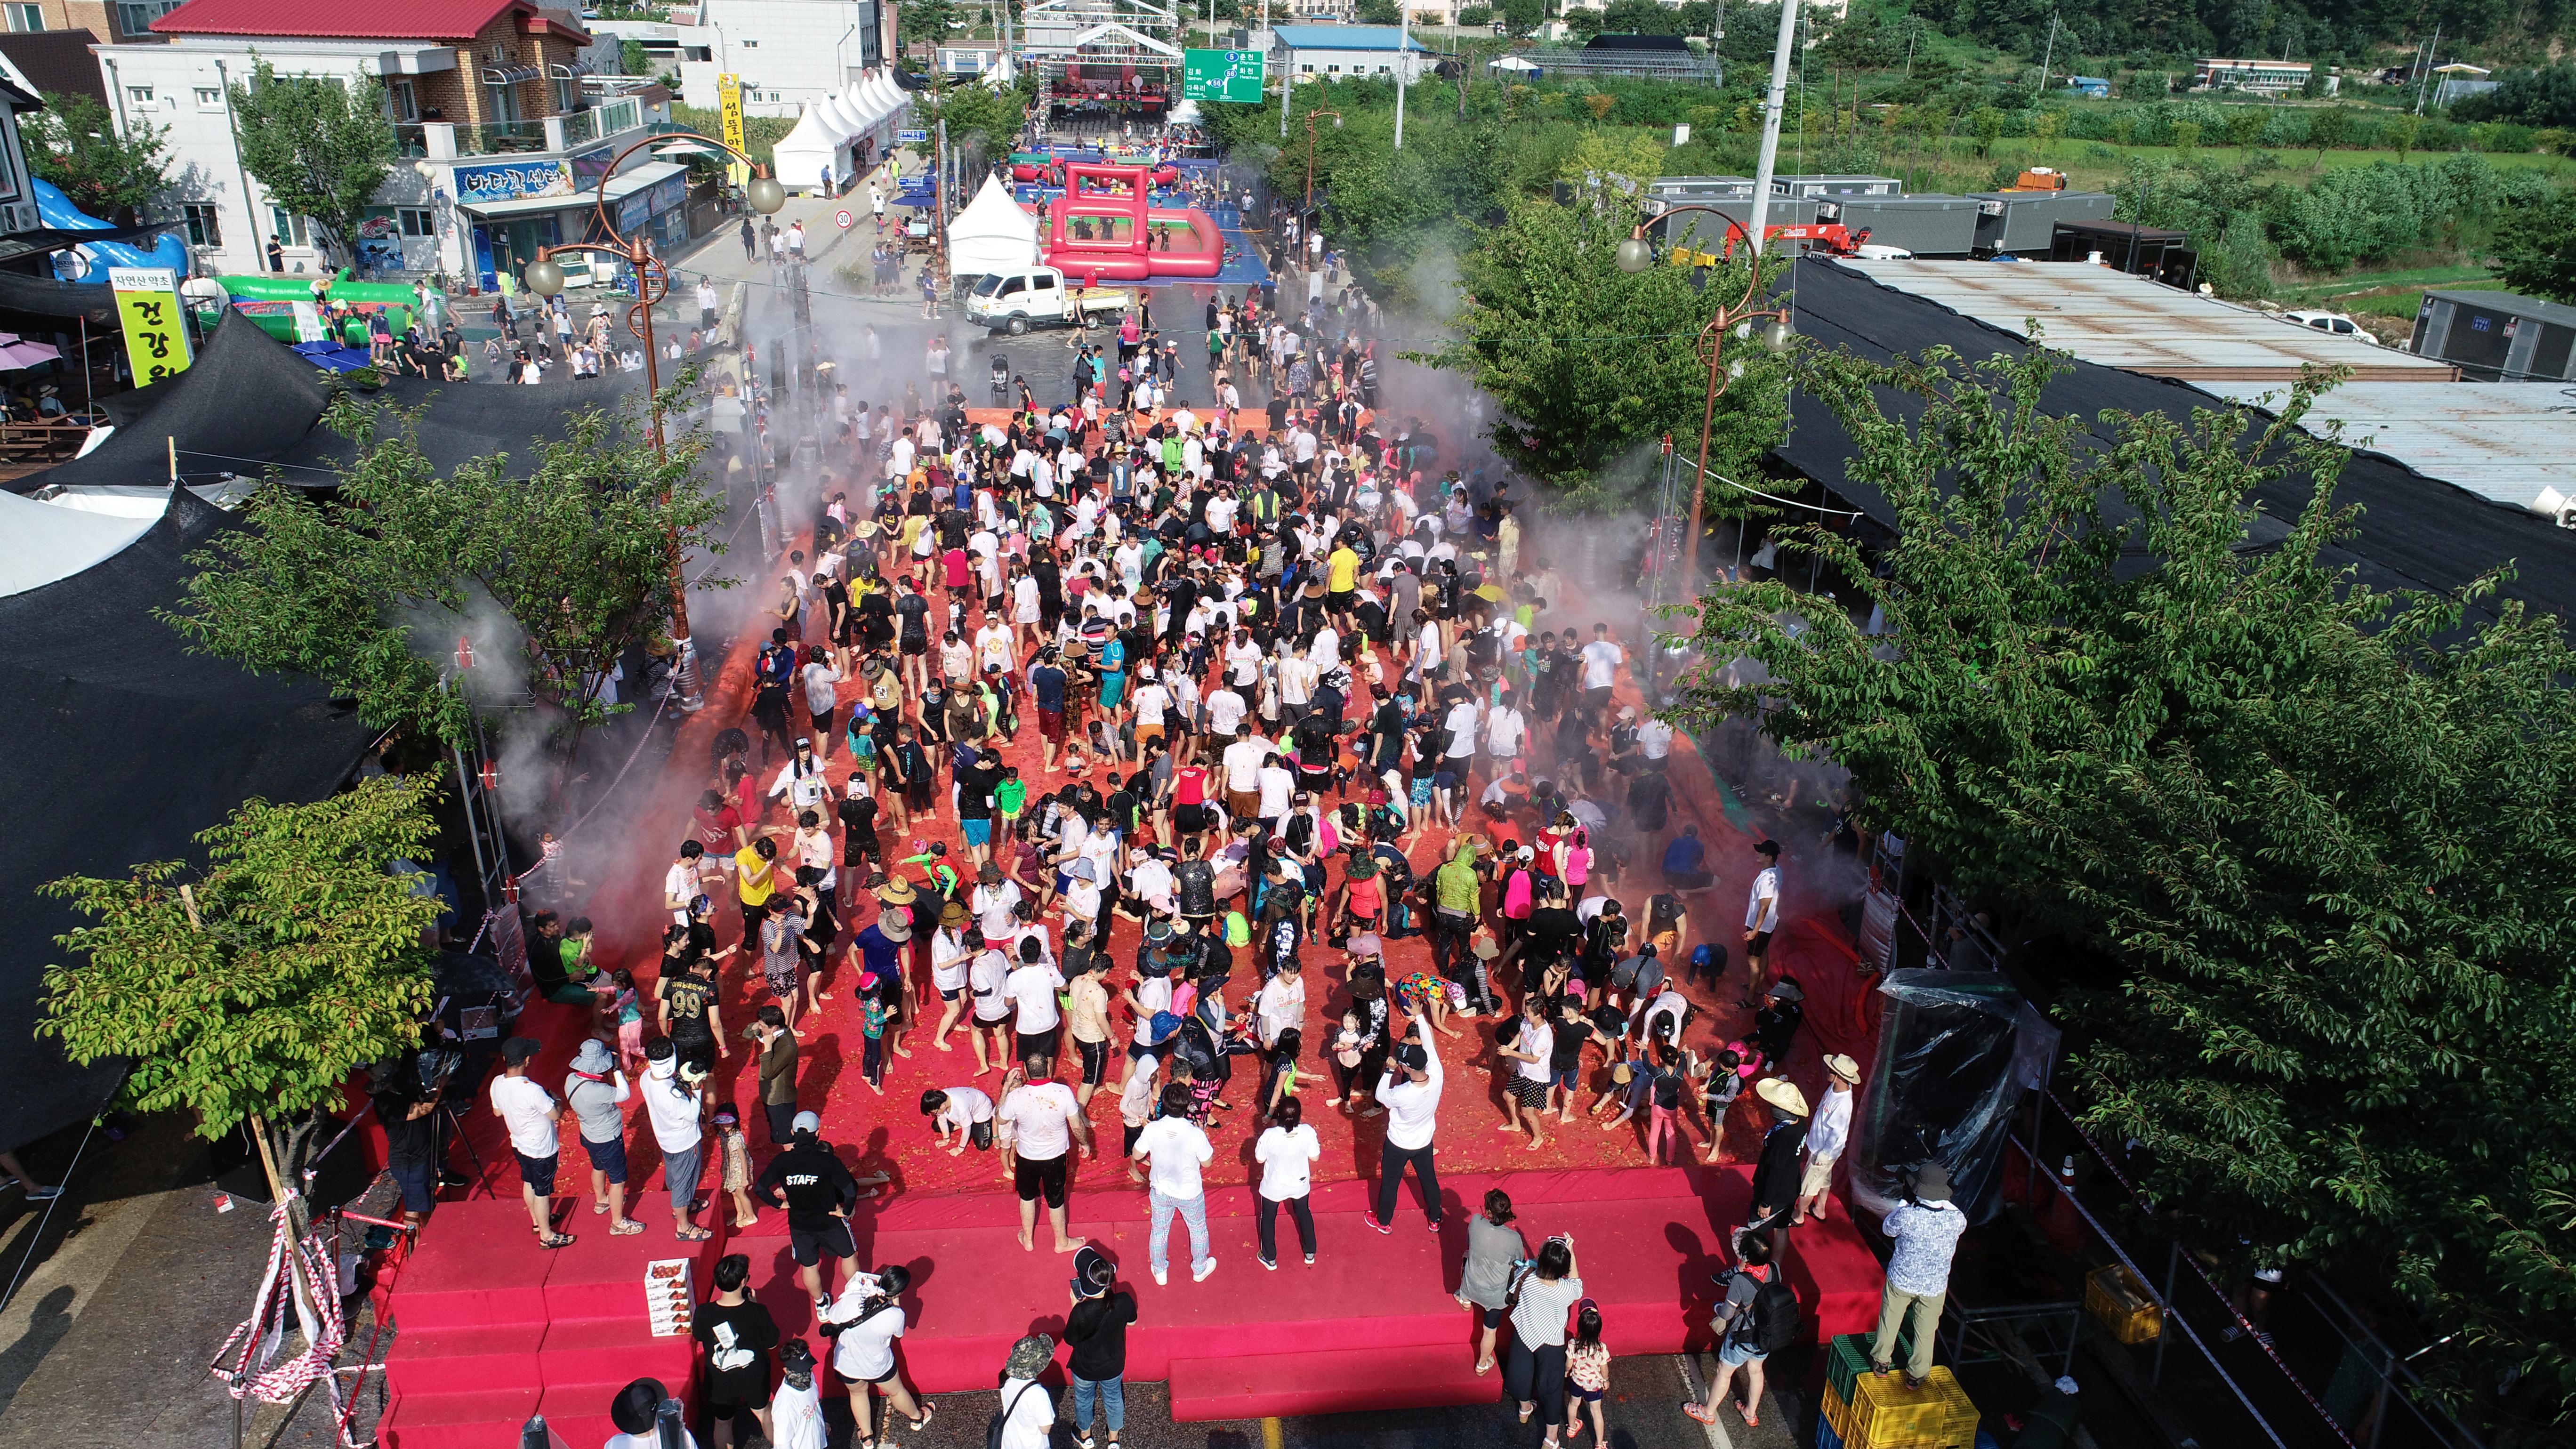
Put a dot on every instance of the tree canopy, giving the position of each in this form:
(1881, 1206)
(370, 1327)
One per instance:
(1591, 363)
(553, 567)
(110, 172)
(303, 961)
(319, 145)
(2324, 833)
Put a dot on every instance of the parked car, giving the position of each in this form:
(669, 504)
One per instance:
(2333, 322)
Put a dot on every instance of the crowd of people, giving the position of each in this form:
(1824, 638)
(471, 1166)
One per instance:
(1297, 692)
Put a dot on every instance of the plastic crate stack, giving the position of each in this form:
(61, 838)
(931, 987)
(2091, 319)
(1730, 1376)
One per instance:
(1865, 1411)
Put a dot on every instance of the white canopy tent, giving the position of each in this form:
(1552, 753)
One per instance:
(992, 234)
(810, 153)
(50, 541)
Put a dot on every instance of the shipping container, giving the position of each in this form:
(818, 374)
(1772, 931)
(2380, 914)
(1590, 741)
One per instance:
(2496, 336)
(1927, 225)
(2024, 222)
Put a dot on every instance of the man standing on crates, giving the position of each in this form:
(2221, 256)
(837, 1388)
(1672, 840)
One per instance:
(1926, 1232)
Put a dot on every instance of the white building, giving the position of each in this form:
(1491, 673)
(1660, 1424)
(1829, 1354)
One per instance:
(789, 54)
(1347, 52)
(501, 112)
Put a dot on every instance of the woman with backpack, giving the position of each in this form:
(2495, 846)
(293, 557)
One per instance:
(1757, 1318)
(1541, 1298)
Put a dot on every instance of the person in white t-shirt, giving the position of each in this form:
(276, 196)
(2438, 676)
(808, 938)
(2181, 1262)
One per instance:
(1287, 1153)
(677, 1108)
(963, 1110)
(869, 1316)
(796, 1410)
(1031, 989)
(1039, 1121)
(1525, 1101)
(1601, 660)
(1173, 1148)
(529, 1111)
(1027, 1407)
(1762, 912)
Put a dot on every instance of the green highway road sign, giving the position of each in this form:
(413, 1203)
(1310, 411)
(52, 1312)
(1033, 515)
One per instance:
(1221, 75)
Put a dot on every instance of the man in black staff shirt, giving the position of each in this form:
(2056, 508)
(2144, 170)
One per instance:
(818, 1193)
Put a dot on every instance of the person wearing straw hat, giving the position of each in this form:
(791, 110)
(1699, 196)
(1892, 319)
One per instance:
(1775, 1173)
(1028, 1407)
(1827, 1131)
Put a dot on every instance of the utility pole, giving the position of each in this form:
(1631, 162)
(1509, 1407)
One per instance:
(2424, 76)
(1287, 72)
(1771, 109)
(2049, 52)
(1403, 63)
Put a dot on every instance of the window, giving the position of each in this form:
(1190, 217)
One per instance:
(1308, 67)
(210, 98)
(135, 17)
(25, 18)
(288, 229)
(406, 101)
(417, 221)
(567, 97)
(204, 227)
(751, 45)
(139, 95)
(1333, 69)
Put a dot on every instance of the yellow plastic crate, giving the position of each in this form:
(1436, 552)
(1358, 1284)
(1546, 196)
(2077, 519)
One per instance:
(2119, 1302)
(1838, 1415)
(1885, 1414)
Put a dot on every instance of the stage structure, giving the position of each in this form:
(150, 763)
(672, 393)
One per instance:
(1102, 61)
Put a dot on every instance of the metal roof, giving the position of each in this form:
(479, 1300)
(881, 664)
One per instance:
(2510, 304)
(2507, 442)
(2118, 320)
(337, 20)
(1345, 37)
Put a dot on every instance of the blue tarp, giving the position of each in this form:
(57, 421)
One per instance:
(332, 357)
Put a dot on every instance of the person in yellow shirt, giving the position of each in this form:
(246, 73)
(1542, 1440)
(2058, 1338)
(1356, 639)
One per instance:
(755, 881)
(1341, 583)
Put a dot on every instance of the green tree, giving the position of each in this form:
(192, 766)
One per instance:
(108, 173)
(1377, 12)
(974, 110)
(2186, 135)
(2536, 248)
(925, 21)
(2245, 126)
(633, 58)
(1989, 126)
(2321, 832)
(319, 145)
(2326, 129)
(1589, 362)
(249, 994)
(554, 567)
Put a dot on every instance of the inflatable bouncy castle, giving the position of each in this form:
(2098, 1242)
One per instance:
(1104, 227)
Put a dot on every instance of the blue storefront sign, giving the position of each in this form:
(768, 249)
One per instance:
(512, 181)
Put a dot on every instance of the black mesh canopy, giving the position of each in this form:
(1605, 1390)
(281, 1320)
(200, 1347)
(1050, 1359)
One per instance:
(125, 746)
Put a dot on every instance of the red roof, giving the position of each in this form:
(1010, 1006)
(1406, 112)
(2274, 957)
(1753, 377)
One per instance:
(339, 20)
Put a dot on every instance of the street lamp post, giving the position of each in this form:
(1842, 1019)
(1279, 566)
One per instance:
(545, 278)
(1311, 118)
(1736, 319)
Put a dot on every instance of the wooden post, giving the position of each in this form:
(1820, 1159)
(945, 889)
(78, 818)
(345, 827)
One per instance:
(268, 1160)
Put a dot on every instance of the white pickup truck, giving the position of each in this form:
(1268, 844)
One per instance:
(1014, 302)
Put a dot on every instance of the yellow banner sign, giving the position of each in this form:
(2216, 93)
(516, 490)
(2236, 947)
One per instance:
(156, 335)
(729, 100)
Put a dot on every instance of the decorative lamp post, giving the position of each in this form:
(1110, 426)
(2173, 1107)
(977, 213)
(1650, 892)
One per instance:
(1311, 118)
(1735, 320)
(545, 278)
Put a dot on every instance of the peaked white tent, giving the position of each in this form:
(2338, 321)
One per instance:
(50, 541)
(992, 234)
(810, 152)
